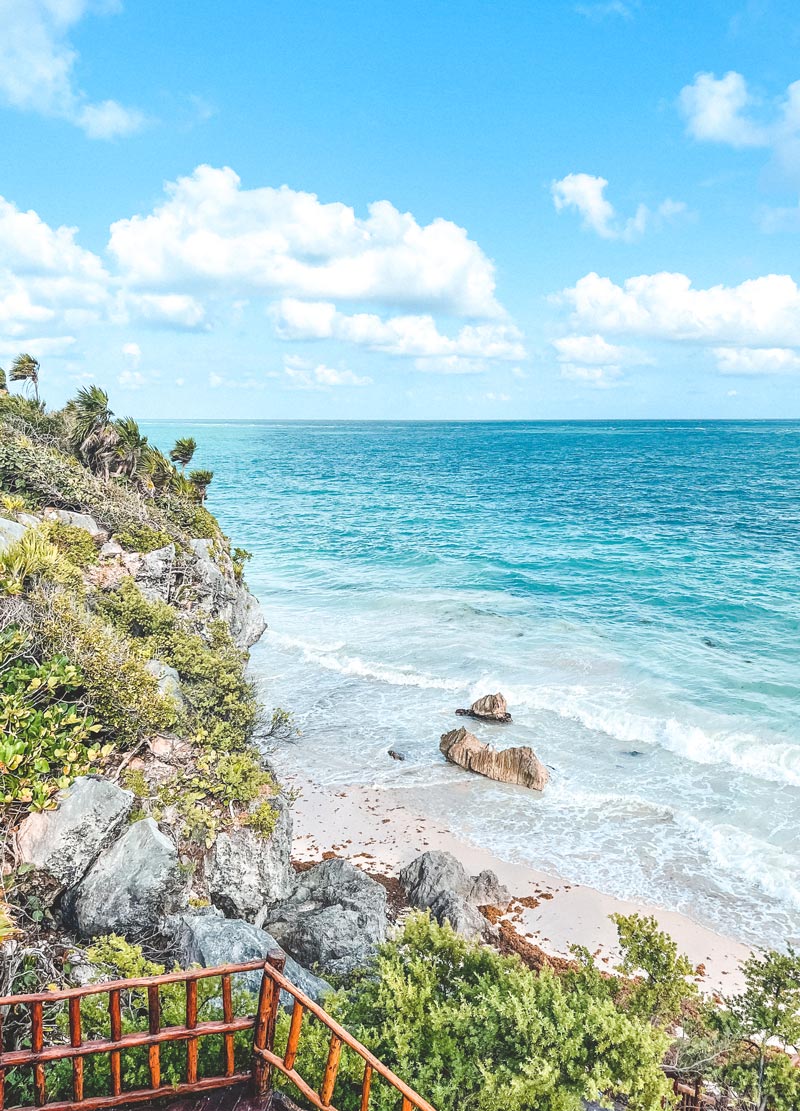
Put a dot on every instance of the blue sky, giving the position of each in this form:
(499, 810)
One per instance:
(374, 209)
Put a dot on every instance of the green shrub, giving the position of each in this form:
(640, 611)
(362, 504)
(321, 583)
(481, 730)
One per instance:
(140, 537)
(33, 558)
(47, 738)
(467, 1027)
(263, 819)
(74, 543)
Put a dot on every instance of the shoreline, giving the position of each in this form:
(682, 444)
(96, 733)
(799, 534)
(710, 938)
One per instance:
(374, 829)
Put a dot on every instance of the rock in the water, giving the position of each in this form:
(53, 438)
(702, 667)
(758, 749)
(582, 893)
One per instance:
(395, 755)
(334, 920)
(155, 572)
(10, 533)
(462, 916)
(65, 842)
(244, 871)
(168, 679)
(211, 940)
(510, 765)
(486, 890)
(77, 520)
(492, 707)
(432, 874)
(131, 887)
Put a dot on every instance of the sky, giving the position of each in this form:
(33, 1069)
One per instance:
(382, 210)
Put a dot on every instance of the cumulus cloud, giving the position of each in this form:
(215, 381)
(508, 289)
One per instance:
(586, 194)
(412, 336)
(168, 310)
(595, 361)
(757, 360)
(37, 63)
(132, 353)
(131, 380)
(209, 229)
(305, 376)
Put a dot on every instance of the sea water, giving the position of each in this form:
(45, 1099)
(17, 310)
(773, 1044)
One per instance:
(631, 587)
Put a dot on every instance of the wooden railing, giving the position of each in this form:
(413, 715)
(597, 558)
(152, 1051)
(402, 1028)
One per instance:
(258, 1077)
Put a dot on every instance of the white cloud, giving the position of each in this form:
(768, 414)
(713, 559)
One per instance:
(586, 194)
(492, 396)
(596, 351)
(168, 310)
(211, 229)
(410, 336)
(757, 360)
(601, 377)
(760, 312)
(603, 9)
(132, 353)
(131, 380)
(37, 65)
(303, 376)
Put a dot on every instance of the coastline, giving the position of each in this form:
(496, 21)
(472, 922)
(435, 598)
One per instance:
(374, 829)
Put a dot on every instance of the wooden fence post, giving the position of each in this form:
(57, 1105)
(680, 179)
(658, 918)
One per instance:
(266, 1018)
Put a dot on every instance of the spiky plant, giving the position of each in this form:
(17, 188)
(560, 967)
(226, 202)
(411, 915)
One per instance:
(201, 480)
(26, 369)
(183, 451)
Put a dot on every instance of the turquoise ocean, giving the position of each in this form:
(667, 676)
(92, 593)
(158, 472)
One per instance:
(632, 588)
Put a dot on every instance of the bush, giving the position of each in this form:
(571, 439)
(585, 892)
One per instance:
(469, 1028)
(74, 543)
(47, 738)
(140, 537)
(33, 558)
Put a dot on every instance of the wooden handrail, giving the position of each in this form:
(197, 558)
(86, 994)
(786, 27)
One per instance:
(264, 1061)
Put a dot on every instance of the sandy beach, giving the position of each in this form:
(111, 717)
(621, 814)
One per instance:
(376, 830)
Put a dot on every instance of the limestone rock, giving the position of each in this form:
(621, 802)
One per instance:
(111, 550)
(492, 707)
(131, 887)
(212, 582)
(510, 765)
(244, 871)
(10, 533)
(486, 890)
(432, 874)
(77, 520)
(65, 842)
(462, 916)
(334, 920)
(168, 679)
(29, 520)
(155, 573)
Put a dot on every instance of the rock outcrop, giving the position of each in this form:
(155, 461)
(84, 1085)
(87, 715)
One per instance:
(168, 679)
(492, 707)
(210, 578)
(131, 887)
(155, 573)
(334, 920)
(65, 842)
(208, 939)
(462, 916)
(77, 520)
(511, 765)
(436, 873)
(243, 871)
(10, 533)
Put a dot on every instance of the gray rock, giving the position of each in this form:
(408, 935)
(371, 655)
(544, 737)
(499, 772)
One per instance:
(334, 920)
(247, 619)
(486, 890)
(77, 520)
(462, 916)
(131, 887)
(432, 874)
(168, 679)
(244, 871)
(216, 592)
(10, 533)
(65, 842)
(396, 754)
(29, 520)
(111, 549)
(211, 940)
(155, 572)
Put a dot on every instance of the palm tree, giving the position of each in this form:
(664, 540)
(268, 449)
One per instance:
(201, 480)
(94, 436)
(130, 448)
(183, 451)
(26, 369)
(158, 468)
(3, 381)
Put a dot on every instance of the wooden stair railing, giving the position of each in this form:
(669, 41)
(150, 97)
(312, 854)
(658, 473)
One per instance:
(258, 1079)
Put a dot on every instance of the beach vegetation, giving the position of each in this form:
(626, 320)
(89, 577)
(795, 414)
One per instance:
(183, 451)
(26, 369)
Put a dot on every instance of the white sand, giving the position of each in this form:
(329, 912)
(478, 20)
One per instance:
(375, 830)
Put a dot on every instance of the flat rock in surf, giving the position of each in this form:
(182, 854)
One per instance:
(512, 765)
(492, 707)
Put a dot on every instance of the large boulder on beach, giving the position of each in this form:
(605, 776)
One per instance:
(244, 871)
(334, 920)
(436, 873)
(492, 707)
(511, 765)
(463, 917)
(131, 887)
(210, 940)
(65, 842)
